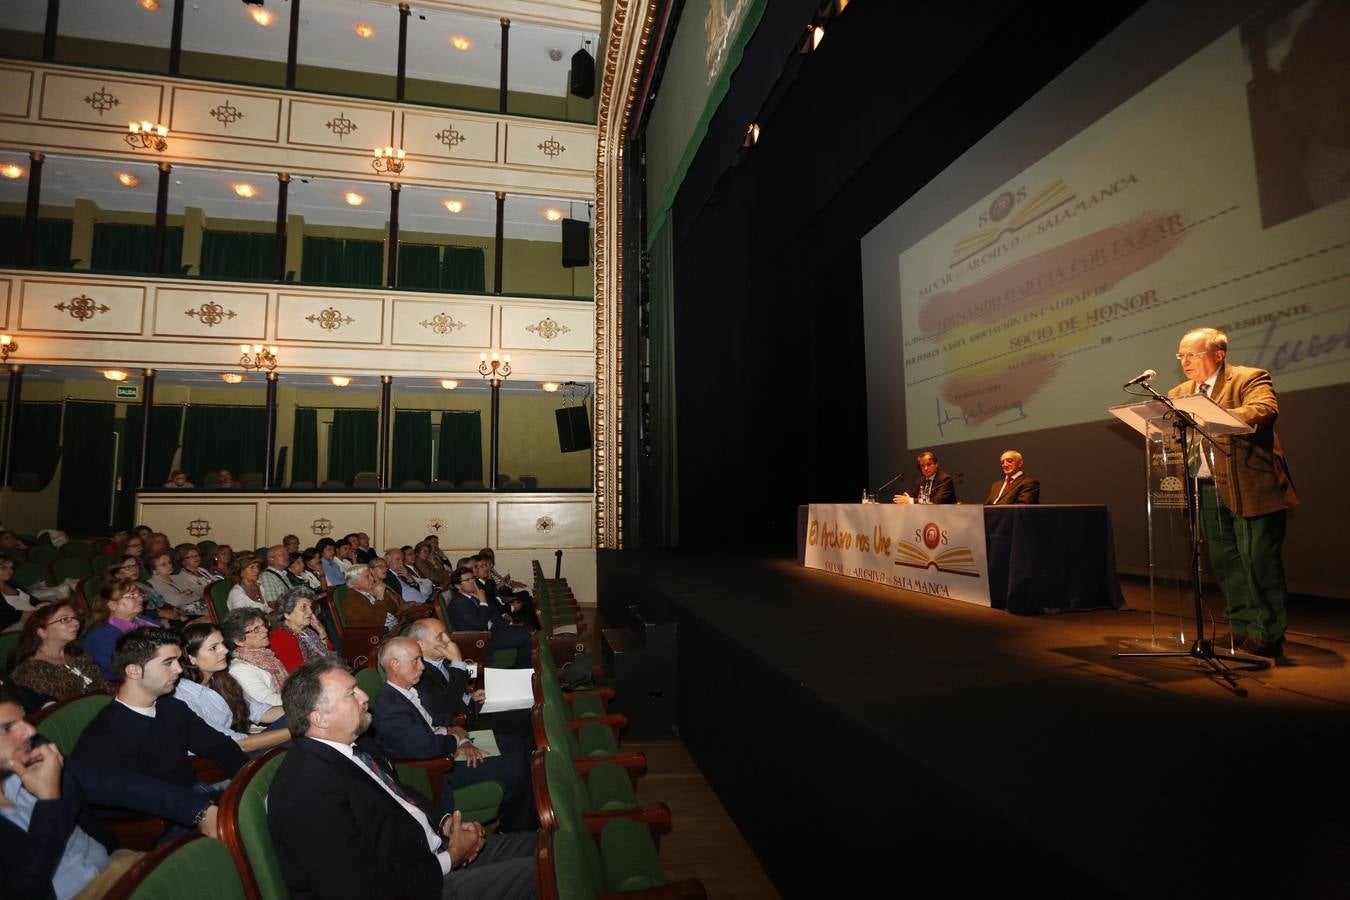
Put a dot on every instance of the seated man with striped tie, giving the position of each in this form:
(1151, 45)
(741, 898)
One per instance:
(1017, 486)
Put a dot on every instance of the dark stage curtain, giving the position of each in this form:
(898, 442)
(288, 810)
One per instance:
(305, 463)
(87, 470)
(418, 267)
(53, 242)
(120, 247)
(412, 447)
(224, 437)
(237, 255)
(165, 423)
(341, 261)
(352, 443)
(461, 453)
(464, 269)
(37, 445)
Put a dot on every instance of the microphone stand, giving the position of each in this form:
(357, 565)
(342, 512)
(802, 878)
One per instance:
(1201, 649)
(899, 477)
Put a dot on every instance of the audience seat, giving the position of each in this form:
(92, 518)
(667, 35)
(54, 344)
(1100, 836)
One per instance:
(303, 484)
(99, 564)
(71, 567)
(43, 553)
(440, 484)
(217, 600)
(243, 827)
(366, 480)
(412, 484)
(334, 484)
(252, 481)
(358, 644)
(592, 743)
(193, 866)
(9, 643)
(30, 573)
(623, 863)
(604, 794)
(82, 549)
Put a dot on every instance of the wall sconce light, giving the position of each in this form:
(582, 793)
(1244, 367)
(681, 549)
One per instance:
(261, 16)
(340, 380)
(353, 198)
(449, 384)
(245, 190)
(496, 368)
(454, 206)
(256, 356)
(231, 377)
(552, 214)
(7, 346)
(115, 375)
(363, 30)
(388, 160)
(144, 136)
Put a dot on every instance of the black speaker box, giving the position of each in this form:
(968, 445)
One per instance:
(574, 429)
(583, 74)
(576, 243)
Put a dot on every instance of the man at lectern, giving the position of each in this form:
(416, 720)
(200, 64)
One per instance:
(1016, 487)
(1245, 489)
(935, 485)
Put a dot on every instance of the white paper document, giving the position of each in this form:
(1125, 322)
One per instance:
(507, 689)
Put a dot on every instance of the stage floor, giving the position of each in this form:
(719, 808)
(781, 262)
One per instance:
(987, 750)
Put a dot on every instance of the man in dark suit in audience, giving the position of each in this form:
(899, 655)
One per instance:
(405, 729)
(934, 485)
(344, 827)
(1016, 487)
(444, 685)
(471, 610)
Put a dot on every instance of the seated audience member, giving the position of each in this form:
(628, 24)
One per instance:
(471, 611)
(346, 829)
(292, 544)
(209, 690)
(117, 543)
(11, 546)
(182, 594)
(275, 580)
(222, 566)
(49, 661)
(443, 686)
(502, 581)
(148, 730)
(247, 594)
(425, 565)
(129, 569)
(135, 548)
(191, 573)
(254, 666)
(50, 845)
(435, 541)
(333, 571)
(404, 730)
(364, 552)
(224, 480)
(368, 603)
(143, 532)
(1016, 486)
(934, 485)
(515, 605)
(409, 586)
(299, 636)
(157, 543)
(295, 571)
(11, 593)
(118, 610)
(311, 569)
(10, 618)
(345, 555)
(178, 479)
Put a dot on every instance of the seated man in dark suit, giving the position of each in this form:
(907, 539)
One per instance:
(443, 687)
(344, 827)
(50, 846)
(404, 729)
(934, 485)
(471, 610)
(146, 729)
(1017, 486)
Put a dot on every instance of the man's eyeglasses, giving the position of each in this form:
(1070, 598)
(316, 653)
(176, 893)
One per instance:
(1187, 357)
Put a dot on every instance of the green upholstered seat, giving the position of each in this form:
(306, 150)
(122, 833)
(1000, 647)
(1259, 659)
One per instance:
(81, 549)
(8, 644)
(99, 564)
(194, 866)
(71, 567)
(371, 680)
(243, 814)
(606, 787)
(480, 802)
(63, 723)
(592, 739)
(43, 553)
(503, 659)
(30, 573)
(220, 597)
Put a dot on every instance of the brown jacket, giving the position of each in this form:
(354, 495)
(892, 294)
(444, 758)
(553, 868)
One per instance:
(361, 613)
(1252, 478)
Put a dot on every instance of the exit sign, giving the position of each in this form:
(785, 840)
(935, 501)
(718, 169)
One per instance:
(128, 392)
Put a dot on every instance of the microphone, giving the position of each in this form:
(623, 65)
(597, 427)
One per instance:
(898, 478)
(1146, 375)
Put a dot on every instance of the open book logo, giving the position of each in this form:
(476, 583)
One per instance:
(953, 560)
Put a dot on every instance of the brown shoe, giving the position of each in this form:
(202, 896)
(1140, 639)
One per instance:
(1268, 649)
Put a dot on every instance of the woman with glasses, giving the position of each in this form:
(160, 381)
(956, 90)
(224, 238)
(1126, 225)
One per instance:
(118, 609)
(128, 568)
(50, 661)
(254, 666)
(209, 690)
(299, 636)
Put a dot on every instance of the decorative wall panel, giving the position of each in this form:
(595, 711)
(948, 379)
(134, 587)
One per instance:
(339, 125)
(562, 328)
(210, 313)
(442, 323)
(462, 524)
(99, 101)
(312, 520)
(355, 320)
(227, 522)
(450, 136)
(554, 148)
(16, 92)
(228, 114)
(88, 307)
(6, 291)
(565, 524)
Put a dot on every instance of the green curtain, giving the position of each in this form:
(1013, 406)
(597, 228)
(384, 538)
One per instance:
(37, 445)
(224, 437)
(120, 247)
(341, 261)
(53, 242)
(305, 462)
(237, 255)
(665, 434)
(418, 267)
(165, 423)
(412, 447)
(353, 443)
(464, 269)
(461, 452)
(87, 468)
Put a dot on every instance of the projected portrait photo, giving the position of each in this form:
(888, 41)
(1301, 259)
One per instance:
(1298, 99)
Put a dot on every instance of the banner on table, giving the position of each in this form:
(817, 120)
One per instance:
(936, 550)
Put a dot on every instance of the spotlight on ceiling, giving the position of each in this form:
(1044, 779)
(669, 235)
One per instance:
(460, 42)
(363, 30)
(115, 375)
(245, 190)
(449, 384)
(231, 377)
(126, 179)
(11, 171)
(353, 198)
(454, 206)
(340, 380)
(552, 214)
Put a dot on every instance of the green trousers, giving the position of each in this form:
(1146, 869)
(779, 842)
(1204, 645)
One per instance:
(1244, 554)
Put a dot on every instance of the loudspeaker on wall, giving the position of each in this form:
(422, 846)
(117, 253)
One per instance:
(576, 243)
(574, 429)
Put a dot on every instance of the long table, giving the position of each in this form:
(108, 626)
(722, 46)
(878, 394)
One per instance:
(1044, 558)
